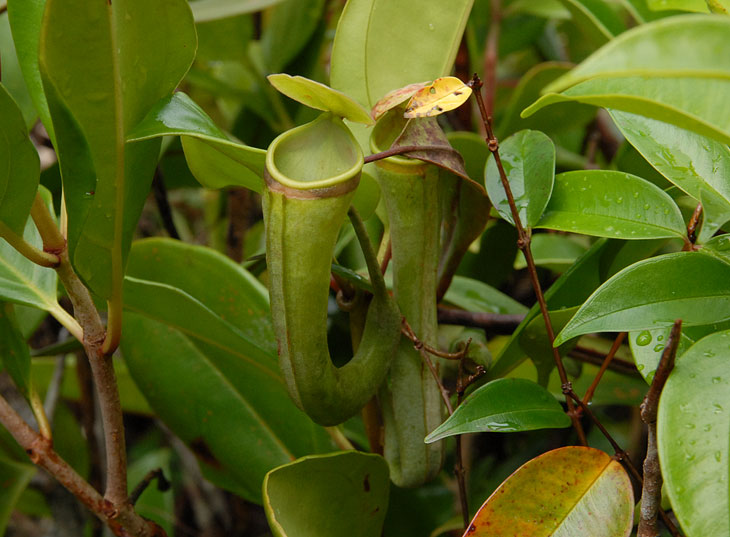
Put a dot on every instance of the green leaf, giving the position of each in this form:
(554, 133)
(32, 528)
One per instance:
(15, 477)
(321, 97)
(299, 497)
(596, 20)
(98, 89)
(26, 17)
(657, 70)
(210, 10)
(212, 345)
(698, 6)
(693, 437)
(14, 351)
(12, 77)
(528, 158)
(612, 204)
(553, 251)
(535, 341)
(696, 164)
(154, 504)
(369, 59)
(571, 489)
(20, 171)
(290, 25)
(473, 295)
(214, 159)
(504, 405)
(654, 293)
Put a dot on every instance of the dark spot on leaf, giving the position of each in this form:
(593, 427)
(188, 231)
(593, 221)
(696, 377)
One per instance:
(203, 452)
(457, 93)
(432, 90)
(366, 483)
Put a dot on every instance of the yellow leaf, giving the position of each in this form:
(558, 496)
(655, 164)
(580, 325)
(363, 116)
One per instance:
(444, 94)
(396, 97)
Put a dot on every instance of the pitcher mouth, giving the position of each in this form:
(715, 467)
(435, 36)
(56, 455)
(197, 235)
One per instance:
(320, 156)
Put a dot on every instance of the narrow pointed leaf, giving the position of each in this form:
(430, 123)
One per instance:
(98, 89)
(214, 159)
(698, 165)
(528, 158)
(694, 437)
(442, 95)
(654, 293)
(473, 295)
(364, 65)
(611, 204)
(504, 405)
(19, 165)
(298, 497)
(573, 491)
(656, 70)
(321, 97)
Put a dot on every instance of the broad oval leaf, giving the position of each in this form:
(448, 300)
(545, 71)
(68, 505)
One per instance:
(238, 417)
(573, 491)
(656, 70)
(442, 95)
(611, 204)
(654, 293)
(299, 497)
(321, 97)
(473, 295)
(214, 159)
(694, 437)
(505, 406)
(528, 158)
(134, 52)
(20, 169)
(698, 165)
(369, 59)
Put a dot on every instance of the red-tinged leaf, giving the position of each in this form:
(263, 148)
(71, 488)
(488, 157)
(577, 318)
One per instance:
(394, 98)
(567, 491)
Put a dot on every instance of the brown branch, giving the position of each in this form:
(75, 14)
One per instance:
(651, 494)
(497, 323)
(607, 362)
(407, 331)
(523, 243)
(587, 356)
(405, 149)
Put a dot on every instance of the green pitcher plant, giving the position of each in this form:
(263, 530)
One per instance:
(311, 175)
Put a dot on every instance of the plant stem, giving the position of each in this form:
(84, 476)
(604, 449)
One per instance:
(339, 439)
(67, 321)
(102, 369)
(371, 258)
(609, 358)
(405, 149)
(53, 241)
(494, 322)
(523, 243)
(162, 484)
(39, 257)
(651, 493)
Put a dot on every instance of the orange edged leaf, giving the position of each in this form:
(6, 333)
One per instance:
(395, 97)
(444, 94)
(567, 491)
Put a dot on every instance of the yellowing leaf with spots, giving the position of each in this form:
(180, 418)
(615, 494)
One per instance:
(393, 98)
(565, 492)
(444, 94)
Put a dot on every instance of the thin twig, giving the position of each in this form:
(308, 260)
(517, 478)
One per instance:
(407, 331)
(497, 323)
(651, 493)
(459, 469)
(444, 392)
(523, 243)
(405, 149)
(609, 358)
(163, 204)
(587, 356)
(162, 484)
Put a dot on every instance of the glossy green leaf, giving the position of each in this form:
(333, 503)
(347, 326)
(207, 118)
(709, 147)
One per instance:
(654, 293)
(26, 17)
(14, 351)
(299, 497)
(214, 159)
(596, 19)
(15, 477)
(719, 247)
(209, 10)
(504, 405)
(656, 70)
(239, 419)
(528, 158)
(698, 6)
(696, 164)
(12, 77)
(553, 251)
(321, 97)
(573, 491)
(611, 204)
(20, 170)
(473, 295)
(98, 89)
(694, 437)
(289, 26)
(369, 59)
